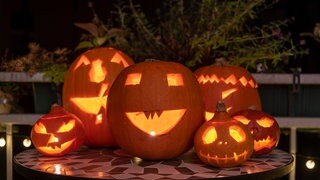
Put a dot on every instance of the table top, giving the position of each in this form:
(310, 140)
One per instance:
(88, 163)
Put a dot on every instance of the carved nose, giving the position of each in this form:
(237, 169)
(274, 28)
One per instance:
(254, 130)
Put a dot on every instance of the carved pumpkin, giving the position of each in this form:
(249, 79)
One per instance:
(264, 127)
(223, 141)
(154, 109)
(86, 89)
(57, 133)
(231, 84)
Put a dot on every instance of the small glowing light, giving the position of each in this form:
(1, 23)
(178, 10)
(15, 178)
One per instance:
(26, 142)
(56, 139)
(310, 164)
(137, 160)
(152, 133)
(2, 142)
(57, 169)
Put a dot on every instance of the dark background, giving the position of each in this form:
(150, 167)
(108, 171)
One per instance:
(50, 23)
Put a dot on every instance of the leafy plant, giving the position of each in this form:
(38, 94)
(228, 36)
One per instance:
(53, 64)
(195, 33)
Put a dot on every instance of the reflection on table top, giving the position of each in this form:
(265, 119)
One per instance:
(88, 163)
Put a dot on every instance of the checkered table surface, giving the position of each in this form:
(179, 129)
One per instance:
(115, 164)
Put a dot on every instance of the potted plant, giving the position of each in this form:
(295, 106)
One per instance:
(198, 33)
(48, 66)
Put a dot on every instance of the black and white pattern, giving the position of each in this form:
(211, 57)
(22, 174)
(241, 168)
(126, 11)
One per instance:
(115, 164)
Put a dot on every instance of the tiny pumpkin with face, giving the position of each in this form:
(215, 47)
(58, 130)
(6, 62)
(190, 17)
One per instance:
(223, 141)
(231, 84)
(57, 133)
(155, 109)
(264, 127)
(86, 87)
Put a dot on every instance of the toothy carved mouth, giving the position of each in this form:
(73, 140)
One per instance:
(90, 105)
(54, 149)
(203, 79)
(264, 143)
(157, 122)
(225, 159)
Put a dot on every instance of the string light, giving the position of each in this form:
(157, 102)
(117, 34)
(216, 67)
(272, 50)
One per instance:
(2, 142)
(310, 164)
(26, 142)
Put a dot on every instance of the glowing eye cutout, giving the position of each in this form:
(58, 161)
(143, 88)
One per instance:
(242, 119)
(228, 92)
(117, 58)
(237, 133)
(40, 128)
(175, 79)
(265, 122)
(209, 136)
(67, 127)
(133, 79)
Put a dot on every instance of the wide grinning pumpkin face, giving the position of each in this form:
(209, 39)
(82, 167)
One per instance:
(152, 120)
(155, 104)
(263, 127)
(57, 133)
(230, 84)
(86, 89)
(230, 144)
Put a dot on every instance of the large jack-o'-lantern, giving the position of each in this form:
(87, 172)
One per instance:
(223, 141)
(264, 127)
(57, 133)
(231, 84)
(154, 109)
(86, 89)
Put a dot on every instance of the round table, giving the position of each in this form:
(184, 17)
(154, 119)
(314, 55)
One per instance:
(88, 163)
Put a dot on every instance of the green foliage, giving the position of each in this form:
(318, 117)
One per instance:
(53, 64)
(56, 73)
(196, 33)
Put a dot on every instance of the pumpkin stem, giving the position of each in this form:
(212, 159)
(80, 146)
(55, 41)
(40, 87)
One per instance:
(221, 107)
(221, 62)
(252, 107)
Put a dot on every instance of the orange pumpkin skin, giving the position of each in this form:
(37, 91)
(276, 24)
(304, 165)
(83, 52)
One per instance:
(57, 133)
(223, 141)
(155, 109)
(231, 84)
(86, 87)
(264, 127)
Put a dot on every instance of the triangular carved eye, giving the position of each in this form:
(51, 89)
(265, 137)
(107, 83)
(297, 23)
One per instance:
(209, 136)
(175, 79)
(117, 58)
(242, 119)
(133, 79)
(237, 133)
(67, 127)
(228, 92)
(265, 122)
(40, 128)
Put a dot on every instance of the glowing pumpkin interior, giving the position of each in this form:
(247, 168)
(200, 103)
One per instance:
(156, 122)
(264, 129)
(234, 86)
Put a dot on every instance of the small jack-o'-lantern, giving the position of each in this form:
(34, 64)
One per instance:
(223, 141)
(154, 109)
(264, 127)
(57, 133)
(86, 89)
(231, 84)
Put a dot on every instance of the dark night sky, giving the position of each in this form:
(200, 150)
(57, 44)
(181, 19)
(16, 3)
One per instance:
(50, 23)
